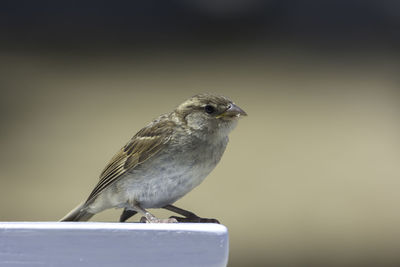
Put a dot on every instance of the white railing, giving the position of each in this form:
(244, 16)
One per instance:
(112, 244)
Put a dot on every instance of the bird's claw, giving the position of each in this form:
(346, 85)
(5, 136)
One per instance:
(156, 220)
(194, 219)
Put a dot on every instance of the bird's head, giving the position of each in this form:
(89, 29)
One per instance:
(209, 114)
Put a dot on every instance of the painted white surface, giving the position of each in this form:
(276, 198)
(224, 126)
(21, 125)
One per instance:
(112, 244)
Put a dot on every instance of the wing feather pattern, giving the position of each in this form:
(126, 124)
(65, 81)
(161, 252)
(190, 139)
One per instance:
(145, 144)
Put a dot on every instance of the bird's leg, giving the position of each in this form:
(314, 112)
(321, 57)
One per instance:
(186, 213)
(189, 216)
(150, 218)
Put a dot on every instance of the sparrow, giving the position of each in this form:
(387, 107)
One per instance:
(164, 161)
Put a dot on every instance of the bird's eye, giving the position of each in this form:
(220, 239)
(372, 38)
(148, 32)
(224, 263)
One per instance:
(209, 109)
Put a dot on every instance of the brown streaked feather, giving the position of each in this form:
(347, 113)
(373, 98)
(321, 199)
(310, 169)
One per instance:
(145, 144)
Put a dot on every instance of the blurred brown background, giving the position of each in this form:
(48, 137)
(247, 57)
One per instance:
(311, 176)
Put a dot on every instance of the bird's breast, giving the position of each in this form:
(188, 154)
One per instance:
(172, 173)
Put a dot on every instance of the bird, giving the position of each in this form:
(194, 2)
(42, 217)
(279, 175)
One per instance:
(164, 161)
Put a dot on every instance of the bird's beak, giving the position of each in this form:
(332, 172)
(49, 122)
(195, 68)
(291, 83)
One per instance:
(233, 111)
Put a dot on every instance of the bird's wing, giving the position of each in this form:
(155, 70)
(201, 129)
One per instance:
(145, 144)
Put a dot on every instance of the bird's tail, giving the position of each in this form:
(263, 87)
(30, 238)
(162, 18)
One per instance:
(77, 214)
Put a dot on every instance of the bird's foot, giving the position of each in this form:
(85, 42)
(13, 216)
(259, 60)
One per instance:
(156, 220)
(194, 219)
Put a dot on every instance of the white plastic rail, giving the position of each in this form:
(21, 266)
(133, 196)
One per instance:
(112, 244)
